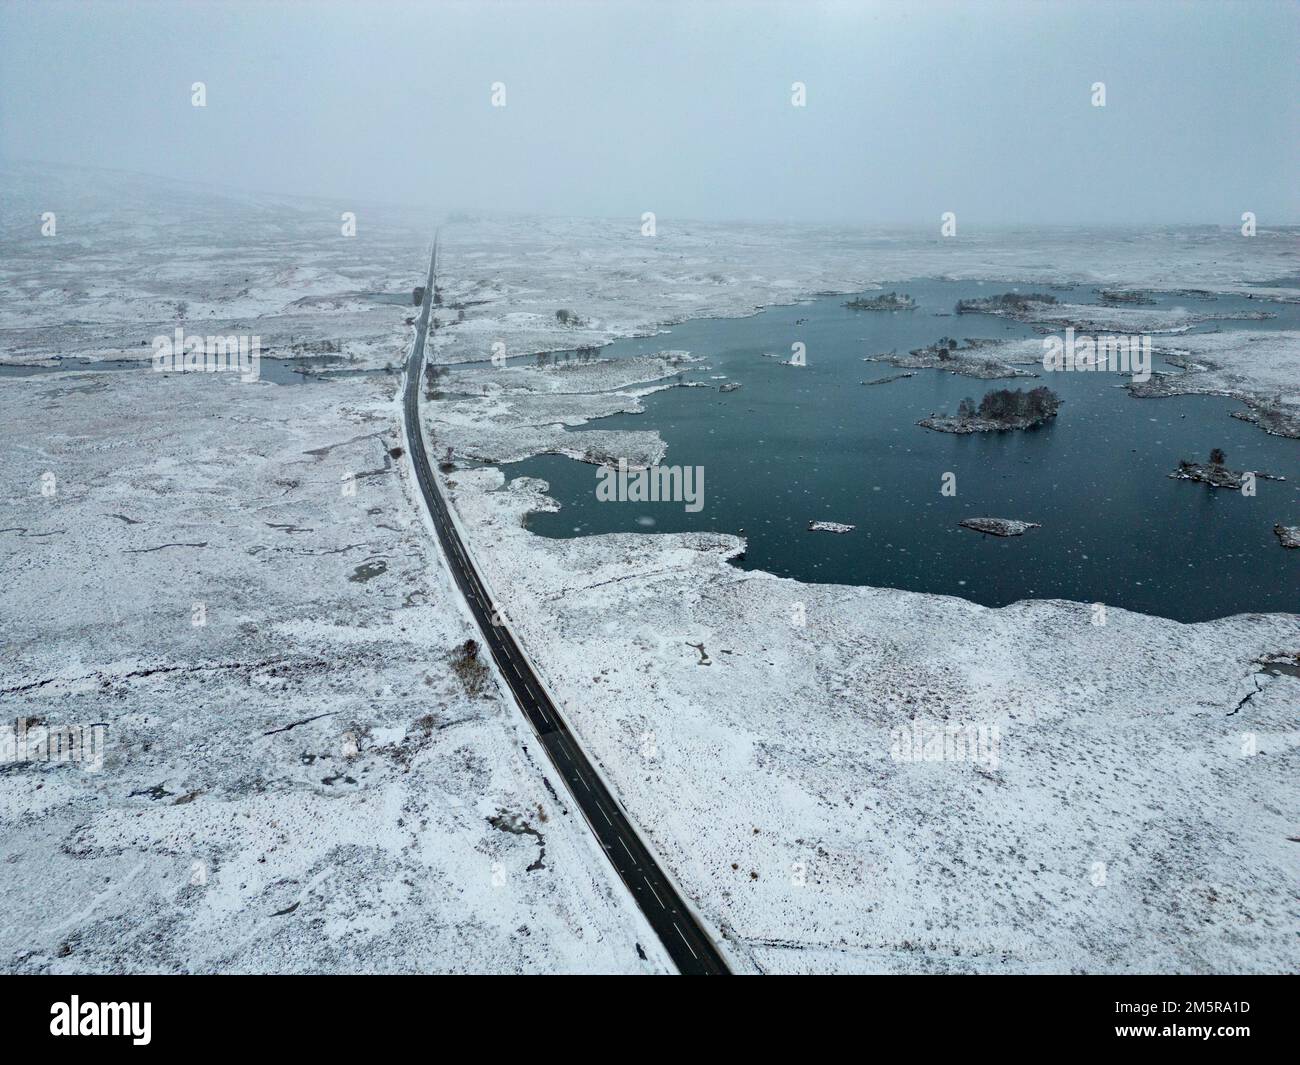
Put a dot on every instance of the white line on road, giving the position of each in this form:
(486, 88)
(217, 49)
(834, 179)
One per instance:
(687, 942)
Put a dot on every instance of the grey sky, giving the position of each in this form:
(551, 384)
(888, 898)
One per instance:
(617, 108)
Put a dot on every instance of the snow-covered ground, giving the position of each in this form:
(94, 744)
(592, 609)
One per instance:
(1120, 808)
(1260, 368)
(1101, 318)
(514, 274)
(302, 782)
(856, 779)
(508, 414)
(235, 579)
(843, 779)
(131, 259)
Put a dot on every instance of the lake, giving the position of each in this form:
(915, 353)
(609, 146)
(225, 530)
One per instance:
(797, 444)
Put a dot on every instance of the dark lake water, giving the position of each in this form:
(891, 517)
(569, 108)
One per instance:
(796, 444)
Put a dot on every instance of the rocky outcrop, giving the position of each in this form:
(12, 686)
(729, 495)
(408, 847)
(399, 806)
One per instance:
(1218, 476)
(999, 526)
(889, 301)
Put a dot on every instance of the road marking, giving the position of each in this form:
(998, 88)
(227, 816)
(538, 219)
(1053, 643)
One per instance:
(629, 853)
(687, 942)
(655, 894)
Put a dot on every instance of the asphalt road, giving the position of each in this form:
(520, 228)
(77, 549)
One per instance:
(690, 947)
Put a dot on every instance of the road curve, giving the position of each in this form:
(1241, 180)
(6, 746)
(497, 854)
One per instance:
(690, 947)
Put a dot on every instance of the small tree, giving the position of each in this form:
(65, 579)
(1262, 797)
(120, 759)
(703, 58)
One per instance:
(966, 408)
(473, 674)
(1004, 405)
(1042, 402)
(1217, 457)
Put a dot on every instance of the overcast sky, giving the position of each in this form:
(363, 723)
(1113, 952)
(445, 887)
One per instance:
(913, 108)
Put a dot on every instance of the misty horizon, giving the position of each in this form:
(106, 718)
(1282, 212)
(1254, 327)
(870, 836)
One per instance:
(984, 110)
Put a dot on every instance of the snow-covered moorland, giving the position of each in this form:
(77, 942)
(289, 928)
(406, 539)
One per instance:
(132, 259)
(303, 769)
(314, 777)
(799, 754)
(302, 772)
(512, 275)
(1134, 814)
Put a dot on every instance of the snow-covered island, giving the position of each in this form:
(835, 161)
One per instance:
(999, 411)
(1129, 298)
(1012, 304)
(1217, 475)
(888, 301)
(999, 526)
(890, 378)
(830, 526)
(1288, 535)
(1041, 308)
(1260, 369)
(971, 359)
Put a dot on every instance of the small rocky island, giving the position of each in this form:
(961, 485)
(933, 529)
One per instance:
(1123, 297)
(1007, 303)
(999, 411)
(999, 526)
(946, 354)
(1289, 535)
(891, 377)
(1216, 474)
(730, 386)
(829, 526)
(889, 301)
